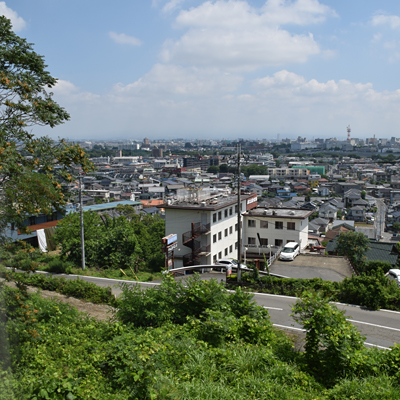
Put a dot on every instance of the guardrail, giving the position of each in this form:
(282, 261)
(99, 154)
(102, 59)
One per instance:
(203, 267)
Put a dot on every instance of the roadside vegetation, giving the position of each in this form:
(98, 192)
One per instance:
(371, 289)
(185, 342)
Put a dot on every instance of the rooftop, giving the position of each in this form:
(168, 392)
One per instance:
(279, 213)
(211, 204)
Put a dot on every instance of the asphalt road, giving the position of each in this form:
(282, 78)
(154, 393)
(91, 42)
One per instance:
(381, 328)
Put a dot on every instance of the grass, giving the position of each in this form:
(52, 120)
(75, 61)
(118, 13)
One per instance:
(142, 276)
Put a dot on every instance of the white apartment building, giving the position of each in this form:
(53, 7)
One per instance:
(206, 229)
(267, 229)
(293, 173)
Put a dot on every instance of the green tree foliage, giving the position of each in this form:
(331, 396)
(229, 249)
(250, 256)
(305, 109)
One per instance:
(130, 240)
(224, 168)
(213, 169)
(331, 340)
(396, 226)
(29, 181)
(224, 350)
(353, 245)
(254, 169)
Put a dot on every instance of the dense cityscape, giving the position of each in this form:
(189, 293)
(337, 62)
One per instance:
(161, 249)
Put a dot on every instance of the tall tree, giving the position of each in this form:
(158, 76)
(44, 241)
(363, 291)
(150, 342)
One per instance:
(31, 169)
(354, 245)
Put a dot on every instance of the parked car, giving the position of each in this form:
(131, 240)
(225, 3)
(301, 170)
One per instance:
(394, 275)
(229, 263)
(290, 251)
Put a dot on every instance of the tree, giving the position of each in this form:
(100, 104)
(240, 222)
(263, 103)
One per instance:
(396, 226)
(223, 168)
(29, 182)
(213, 169)
(331, 340)
(363, 194)
(353, 245)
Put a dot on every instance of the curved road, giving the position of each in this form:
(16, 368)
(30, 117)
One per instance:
(381, 328)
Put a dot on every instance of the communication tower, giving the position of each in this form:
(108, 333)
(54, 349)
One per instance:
(348, 133)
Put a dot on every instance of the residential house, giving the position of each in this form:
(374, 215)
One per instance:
(322, 223)
(356, 213)
(327, 211)
(206, 229)
(263, 227)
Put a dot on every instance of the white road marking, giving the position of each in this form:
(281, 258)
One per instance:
(375, 345)
(378, 326)
(289, 327)
(273, 308)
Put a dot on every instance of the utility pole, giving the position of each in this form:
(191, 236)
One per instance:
(239, 213)
(82, 232)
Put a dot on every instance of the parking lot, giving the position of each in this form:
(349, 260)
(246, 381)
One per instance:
(313, 266)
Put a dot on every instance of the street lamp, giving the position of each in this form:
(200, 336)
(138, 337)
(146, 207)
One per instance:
(245, 249)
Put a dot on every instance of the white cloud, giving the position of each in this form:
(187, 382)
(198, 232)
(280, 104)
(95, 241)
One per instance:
(172, 6)
(176, 80)
(71, 93)
(17, 22)
(300, 12)
(121, 38)
(284, 84)
(377, 37)
(171, 101)
(231, 34)
(393, 21)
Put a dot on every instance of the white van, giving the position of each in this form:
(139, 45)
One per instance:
(290, 251)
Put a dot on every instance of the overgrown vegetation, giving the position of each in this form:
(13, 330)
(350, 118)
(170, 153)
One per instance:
(371, 289)
(128, 241)
(194, 342)
(77, 288)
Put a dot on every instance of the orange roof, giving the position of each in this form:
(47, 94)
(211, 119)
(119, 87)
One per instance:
(44, 225)
(151, 203)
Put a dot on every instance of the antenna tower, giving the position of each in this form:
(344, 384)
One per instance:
(348, 133)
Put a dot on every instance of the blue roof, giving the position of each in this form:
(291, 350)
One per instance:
(107, 206)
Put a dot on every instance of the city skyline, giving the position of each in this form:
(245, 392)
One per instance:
(218, 69)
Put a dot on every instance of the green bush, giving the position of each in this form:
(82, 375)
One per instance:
(57, 265)
(77, 288)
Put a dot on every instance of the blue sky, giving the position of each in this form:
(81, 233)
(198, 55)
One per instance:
(218, 69)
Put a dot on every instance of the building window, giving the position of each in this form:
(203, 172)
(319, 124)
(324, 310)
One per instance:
(226, 252)
(236, 245)
(230, 249)
(226, 232)
(215, 217)
(214, 258)
(251, 223)
(230, 211)
(219, 235)
(32, 220)
(278, 242)
(251, 240)
(264, 224)
(291, 226)
(230, 230)
(215, 238)
(278, 225)
(219, 215)
(220, 254)
(226, 213)
(264, 242)
(236, 209)
(236, 227)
